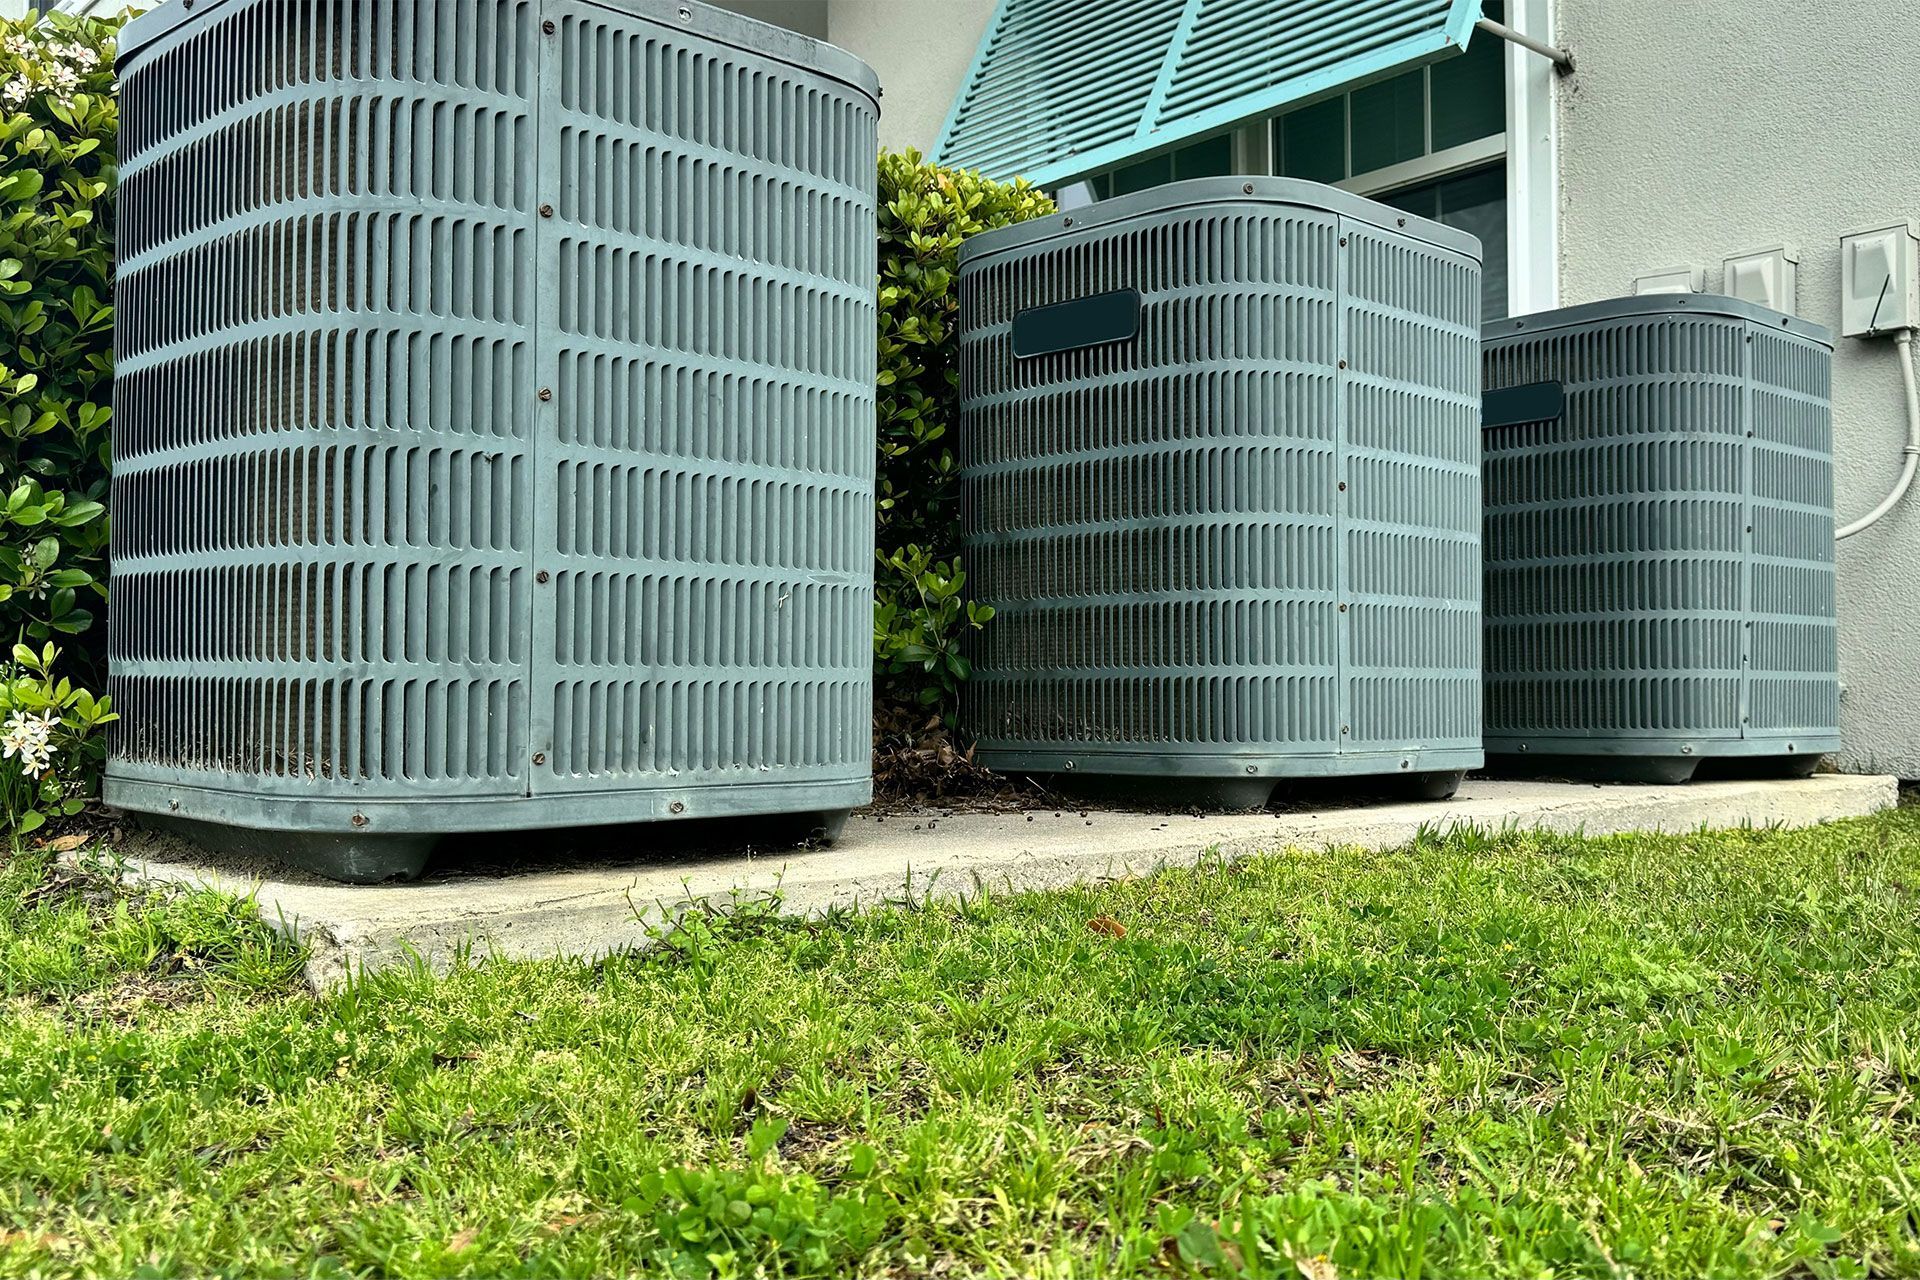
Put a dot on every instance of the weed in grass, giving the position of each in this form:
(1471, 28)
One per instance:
(1506, 1055)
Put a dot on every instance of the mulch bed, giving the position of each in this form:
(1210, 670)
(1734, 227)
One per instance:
(917, 766)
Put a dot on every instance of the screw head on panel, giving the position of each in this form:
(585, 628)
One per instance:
(1343, 242)
(1343, 364)
(1686, 751)
(1067, 221)
(1399, 222)
(546, 211)
(1247, 187)
(1343, 486)
(1343, 608)
(173, 805)
(678, 806)
(1253, 768)
(547, 26)
(546, 393)
(1069, 764)
(359, 819)
(539, 757)
(686, 14)
(541, 576)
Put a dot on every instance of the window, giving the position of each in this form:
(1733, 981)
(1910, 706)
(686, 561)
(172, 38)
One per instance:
(1208, 158)
(1474, 202)
(1431, 141)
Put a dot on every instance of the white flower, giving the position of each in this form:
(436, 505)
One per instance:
(15, 92)
(18, 45)
(63, 78)
(80, 56)
(29, 737)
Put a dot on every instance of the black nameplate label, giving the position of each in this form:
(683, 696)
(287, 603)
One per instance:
(1084, 322)
(1532, 402)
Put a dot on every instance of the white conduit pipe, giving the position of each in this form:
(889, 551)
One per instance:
(1903, 347)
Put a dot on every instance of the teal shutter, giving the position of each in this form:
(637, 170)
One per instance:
(1064, 88)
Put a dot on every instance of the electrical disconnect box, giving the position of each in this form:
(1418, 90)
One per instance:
(1766, 277)
(1879, 280)
(1668, 280)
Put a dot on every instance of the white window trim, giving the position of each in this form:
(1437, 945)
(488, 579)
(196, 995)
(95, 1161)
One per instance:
(1533, 166)
(1440, 164)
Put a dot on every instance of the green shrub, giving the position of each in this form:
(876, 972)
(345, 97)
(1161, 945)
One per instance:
(921, 614)
(58, 126)
(49, 750)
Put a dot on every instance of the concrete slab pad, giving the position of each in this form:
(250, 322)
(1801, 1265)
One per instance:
(609, 902)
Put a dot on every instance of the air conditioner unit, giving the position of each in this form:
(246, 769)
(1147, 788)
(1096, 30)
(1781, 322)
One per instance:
(1221, 483)
(494, 425)
(1660, 585)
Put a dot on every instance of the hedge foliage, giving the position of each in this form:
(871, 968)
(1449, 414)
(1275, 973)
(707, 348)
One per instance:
(58, 127)
(921, 613)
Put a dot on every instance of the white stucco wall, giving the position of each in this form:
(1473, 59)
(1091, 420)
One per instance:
(1692, 131)
(921, 50)
(808, 17)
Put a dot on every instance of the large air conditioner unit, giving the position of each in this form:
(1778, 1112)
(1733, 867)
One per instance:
(1221, 483)
(1660, 584)
(494, 425)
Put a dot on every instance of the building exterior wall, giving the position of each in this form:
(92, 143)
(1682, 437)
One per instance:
(808, 17)
(1692, 132)
(921, 49)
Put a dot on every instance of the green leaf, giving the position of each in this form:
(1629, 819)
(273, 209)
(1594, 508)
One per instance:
(22, 185)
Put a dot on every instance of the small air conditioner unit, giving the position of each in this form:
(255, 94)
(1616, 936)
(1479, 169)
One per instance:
(1221, 483)
(494, 425)
(1660, 581)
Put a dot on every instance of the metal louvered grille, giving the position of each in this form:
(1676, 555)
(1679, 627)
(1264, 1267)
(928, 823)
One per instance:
(1660, 559)
(1119, 78)
(495, 414)
(712, 454)
(1248, 533)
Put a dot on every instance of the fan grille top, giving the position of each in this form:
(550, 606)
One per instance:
(1660, 556)
(1246, 534)
(495, 414)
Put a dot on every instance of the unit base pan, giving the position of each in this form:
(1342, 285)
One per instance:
(1230, 783)
(377, 859)
(365, 840)
(1656, 763)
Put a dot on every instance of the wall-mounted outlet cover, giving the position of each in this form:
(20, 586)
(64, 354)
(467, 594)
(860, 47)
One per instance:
(1669, 280)
(1769, 277)
(1879, 280)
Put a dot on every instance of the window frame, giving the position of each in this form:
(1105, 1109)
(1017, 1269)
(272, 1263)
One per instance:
(1529, 146)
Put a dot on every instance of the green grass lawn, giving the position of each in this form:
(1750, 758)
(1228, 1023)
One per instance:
(1512, 1055)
